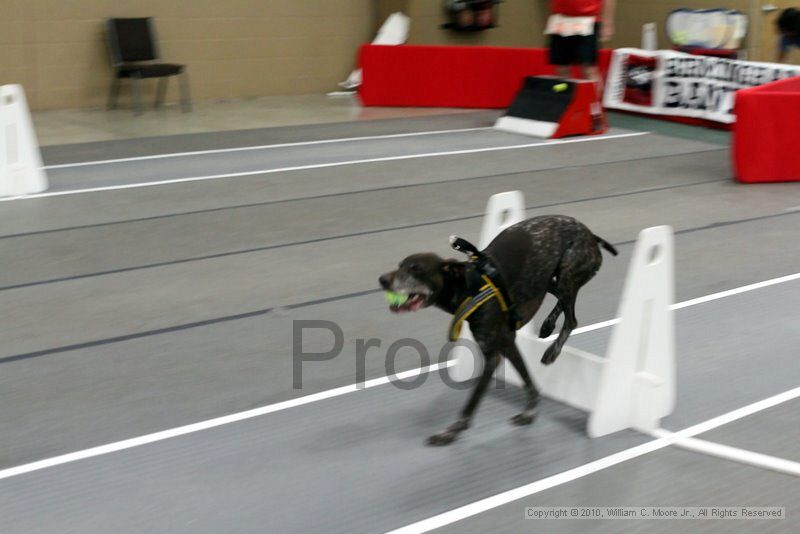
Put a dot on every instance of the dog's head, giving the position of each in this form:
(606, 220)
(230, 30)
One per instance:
(425, 279)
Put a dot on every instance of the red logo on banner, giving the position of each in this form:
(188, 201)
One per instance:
(639, 71)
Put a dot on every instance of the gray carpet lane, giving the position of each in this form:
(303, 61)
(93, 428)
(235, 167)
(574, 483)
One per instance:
(264, 160)
(82, 251)
(148, 146)
(377, 473)
(775, 432)
(267, 471)
(54, 405)
(353, 463)
(669, 477)
(85, 309)
(108, 206)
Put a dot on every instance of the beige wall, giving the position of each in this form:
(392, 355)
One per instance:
(234, 48)
(244, 48)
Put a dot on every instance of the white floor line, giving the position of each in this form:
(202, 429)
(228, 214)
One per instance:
(694, 302)
(262, 147)
(264, 410)
(318, 166)
(736, 291)
(211, 423)
(506, 497)
(735, 454)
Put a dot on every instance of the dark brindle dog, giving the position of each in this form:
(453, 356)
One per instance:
(549, 254)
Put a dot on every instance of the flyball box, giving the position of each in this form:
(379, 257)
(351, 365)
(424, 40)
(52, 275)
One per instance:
(551, 107)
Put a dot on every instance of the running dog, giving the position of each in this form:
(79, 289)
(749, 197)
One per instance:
(500, 289)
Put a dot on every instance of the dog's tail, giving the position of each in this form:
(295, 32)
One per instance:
(606, 245)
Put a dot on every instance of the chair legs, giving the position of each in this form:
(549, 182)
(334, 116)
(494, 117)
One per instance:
(186, 97)
(161, 91)
(138, 108)
(113, 92)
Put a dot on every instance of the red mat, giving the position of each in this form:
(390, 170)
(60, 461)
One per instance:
(450, 76)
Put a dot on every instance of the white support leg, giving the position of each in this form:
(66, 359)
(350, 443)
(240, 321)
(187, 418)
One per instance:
(502, 211)
(637, 385)
(21, 168)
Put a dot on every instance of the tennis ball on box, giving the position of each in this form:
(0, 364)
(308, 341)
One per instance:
(395, 299)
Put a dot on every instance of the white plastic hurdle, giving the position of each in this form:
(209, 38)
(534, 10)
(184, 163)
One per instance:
(633, 386)
(21, 168)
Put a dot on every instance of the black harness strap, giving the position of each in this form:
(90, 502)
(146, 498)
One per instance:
(484, 282)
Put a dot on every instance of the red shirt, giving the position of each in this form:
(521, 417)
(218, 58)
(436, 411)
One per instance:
(577, 8)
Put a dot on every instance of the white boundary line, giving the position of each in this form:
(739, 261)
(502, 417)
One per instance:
(261, 147)
(322, 395)
(735, 454)
(506, 497)
(211, 423)
(317, 166)
(696, 301)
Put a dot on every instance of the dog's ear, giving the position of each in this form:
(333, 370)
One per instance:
(454, 270)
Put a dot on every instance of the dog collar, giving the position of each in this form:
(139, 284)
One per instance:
(485, 283)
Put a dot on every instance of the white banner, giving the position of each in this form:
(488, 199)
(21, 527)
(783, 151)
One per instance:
(664, 82)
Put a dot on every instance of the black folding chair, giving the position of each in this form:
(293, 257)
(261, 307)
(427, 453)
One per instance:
(132, 44)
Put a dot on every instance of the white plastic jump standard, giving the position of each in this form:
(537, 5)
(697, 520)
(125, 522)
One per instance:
(21, 169)
(502, 211)
(633, 386)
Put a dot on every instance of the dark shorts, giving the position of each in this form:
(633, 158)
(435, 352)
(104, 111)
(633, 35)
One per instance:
(785, 42)
(575, 49)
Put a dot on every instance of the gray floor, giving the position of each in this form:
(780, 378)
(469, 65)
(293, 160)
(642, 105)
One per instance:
(267, 160)
(136, 310)
(669, 477)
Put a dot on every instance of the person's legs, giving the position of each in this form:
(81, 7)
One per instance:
(592, 73)
(580, 50)
(588, 59)
(562, 54)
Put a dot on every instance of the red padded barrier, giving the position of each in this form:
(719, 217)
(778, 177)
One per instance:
(450, 76)
(765, 134)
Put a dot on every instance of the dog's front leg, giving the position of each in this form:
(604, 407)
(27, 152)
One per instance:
(527, 416)
(449, 434)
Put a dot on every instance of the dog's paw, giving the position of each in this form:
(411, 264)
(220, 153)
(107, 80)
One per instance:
(550, 355)
(449, 435)
(442, 438)
(524, 418)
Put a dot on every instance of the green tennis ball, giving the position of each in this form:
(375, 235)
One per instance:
(560, 87)
(395, 299)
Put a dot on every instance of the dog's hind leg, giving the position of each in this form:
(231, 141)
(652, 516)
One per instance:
(449, 434)
(578, 265)
(567, 303)
(527, 416)
(549, 324)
